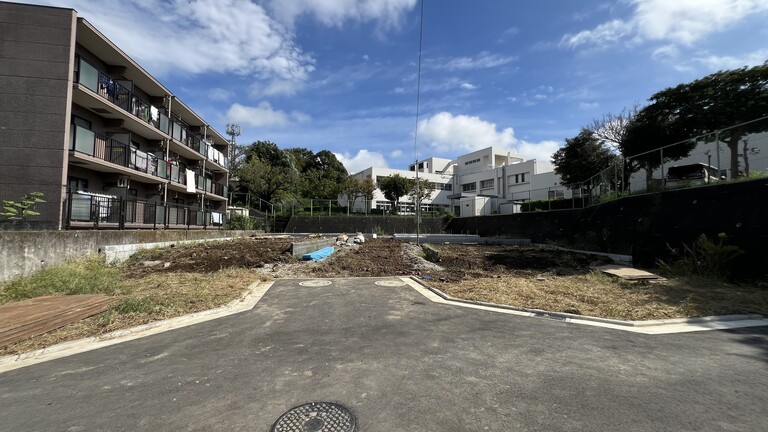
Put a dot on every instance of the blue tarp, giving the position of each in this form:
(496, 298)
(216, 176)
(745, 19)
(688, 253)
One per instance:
(318, 255)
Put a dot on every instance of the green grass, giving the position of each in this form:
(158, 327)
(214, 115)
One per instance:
(87, 276)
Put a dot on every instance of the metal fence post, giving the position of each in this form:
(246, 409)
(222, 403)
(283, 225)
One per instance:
(661, 150)
(717, 148)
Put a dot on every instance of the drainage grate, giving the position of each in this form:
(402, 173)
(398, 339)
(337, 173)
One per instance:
(389, 283)
(316, 417)
(315, 283)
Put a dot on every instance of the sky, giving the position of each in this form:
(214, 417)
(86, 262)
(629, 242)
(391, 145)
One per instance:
(341, 75)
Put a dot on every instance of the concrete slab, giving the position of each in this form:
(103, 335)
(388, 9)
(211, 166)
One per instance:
(400, 362)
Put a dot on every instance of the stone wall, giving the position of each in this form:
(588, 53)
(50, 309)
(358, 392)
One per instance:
(647, 226)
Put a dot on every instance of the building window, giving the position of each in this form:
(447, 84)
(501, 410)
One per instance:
(469, 187)
(448, 187)
(486, 184)
(473, 161)
(520, 178)
(77, 184)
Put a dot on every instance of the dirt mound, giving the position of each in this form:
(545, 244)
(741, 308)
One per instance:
(380, 257)
(209, 257)
(374, 258)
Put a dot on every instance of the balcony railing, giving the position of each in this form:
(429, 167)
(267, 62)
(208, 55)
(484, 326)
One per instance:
(99, 146)
(111, 90)
(85, 208)
(107, 149)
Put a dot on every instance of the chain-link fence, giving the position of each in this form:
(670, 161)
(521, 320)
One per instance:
(735, 153)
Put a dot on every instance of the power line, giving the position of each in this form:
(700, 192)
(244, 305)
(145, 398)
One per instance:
(416, 131)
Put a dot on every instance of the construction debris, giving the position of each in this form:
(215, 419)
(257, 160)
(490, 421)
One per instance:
(629, 273)
(39, 315)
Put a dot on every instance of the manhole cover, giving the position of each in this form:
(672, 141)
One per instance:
(316, 417)
(389, 283)
(315, 283)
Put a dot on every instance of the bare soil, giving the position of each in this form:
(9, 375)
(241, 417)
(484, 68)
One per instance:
(180, 280)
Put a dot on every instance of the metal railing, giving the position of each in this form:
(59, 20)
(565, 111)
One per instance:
(735, 153)
(110, 89)
(88, 210)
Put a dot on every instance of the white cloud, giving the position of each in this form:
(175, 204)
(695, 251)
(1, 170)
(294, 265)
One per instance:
(588, 105)
(468, 86)
(220, 94)
(714, 62)
(463, 133)
(263, 115)
(455, 134)
(484, 60)
(199, 37)
(665, 52)
(366, 57)
(362, 160)
(386, 13)
(395, 154)
(681, 22)
(602, 35)
(227, 36)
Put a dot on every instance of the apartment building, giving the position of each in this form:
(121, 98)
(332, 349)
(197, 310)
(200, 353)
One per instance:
(107, 144)
(487, 181)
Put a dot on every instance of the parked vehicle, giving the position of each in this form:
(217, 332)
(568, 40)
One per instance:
(691, 175)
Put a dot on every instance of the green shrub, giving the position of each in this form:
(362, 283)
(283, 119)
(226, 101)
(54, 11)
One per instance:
(705, 257)
(244, 223)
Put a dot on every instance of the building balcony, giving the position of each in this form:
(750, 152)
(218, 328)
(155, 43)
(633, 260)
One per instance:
(90, 210)
(112, 94)
(101, 153)
(192, 146)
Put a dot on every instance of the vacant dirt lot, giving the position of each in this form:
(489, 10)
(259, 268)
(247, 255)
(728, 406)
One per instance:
(380, 257)
(533, 276)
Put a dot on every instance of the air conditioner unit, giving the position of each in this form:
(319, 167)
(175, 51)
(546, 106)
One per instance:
(122, 182)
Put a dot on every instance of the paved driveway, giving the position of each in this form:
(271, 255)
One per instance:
(400, 363)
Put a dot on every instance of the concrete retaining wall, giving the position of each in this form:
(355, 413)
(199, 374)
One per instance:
(386, 225)
(115, 254)
(23, 252)
(300, 248)
(459, 239)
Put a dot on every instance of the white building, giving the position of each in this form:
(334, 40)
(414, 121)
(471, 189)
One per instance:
(492, 180)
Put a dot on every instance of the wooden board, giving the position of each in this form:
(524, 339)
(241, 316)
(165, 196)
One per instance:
(36, 316)
(628, 273)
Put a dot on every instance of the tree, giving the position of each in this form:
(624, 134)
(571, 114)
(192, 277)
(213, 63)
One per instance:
(321, 174)
(267, 171)
(351, 189)
(367, 189)
(644, 136)
(582, 157)
(423, 191)
(720, 100)
(393, 187)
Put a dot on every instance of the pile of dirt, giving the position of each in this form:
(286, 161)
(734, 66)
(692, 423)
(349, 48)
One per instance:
(381, 257)
(209, 257)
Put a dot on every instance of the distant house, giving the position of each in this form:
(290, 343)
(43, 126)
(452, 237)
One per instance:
(492, 180)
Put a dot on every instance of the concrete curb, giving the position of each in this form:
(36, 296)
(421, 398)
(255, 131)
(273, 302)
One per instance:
(252, 296)
(662, 326)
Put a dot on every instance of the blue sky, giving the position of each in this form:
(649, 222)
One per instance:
(341, 74)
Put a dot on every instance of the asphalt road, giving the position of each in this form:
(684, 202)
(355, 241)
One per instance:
(399, 363)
